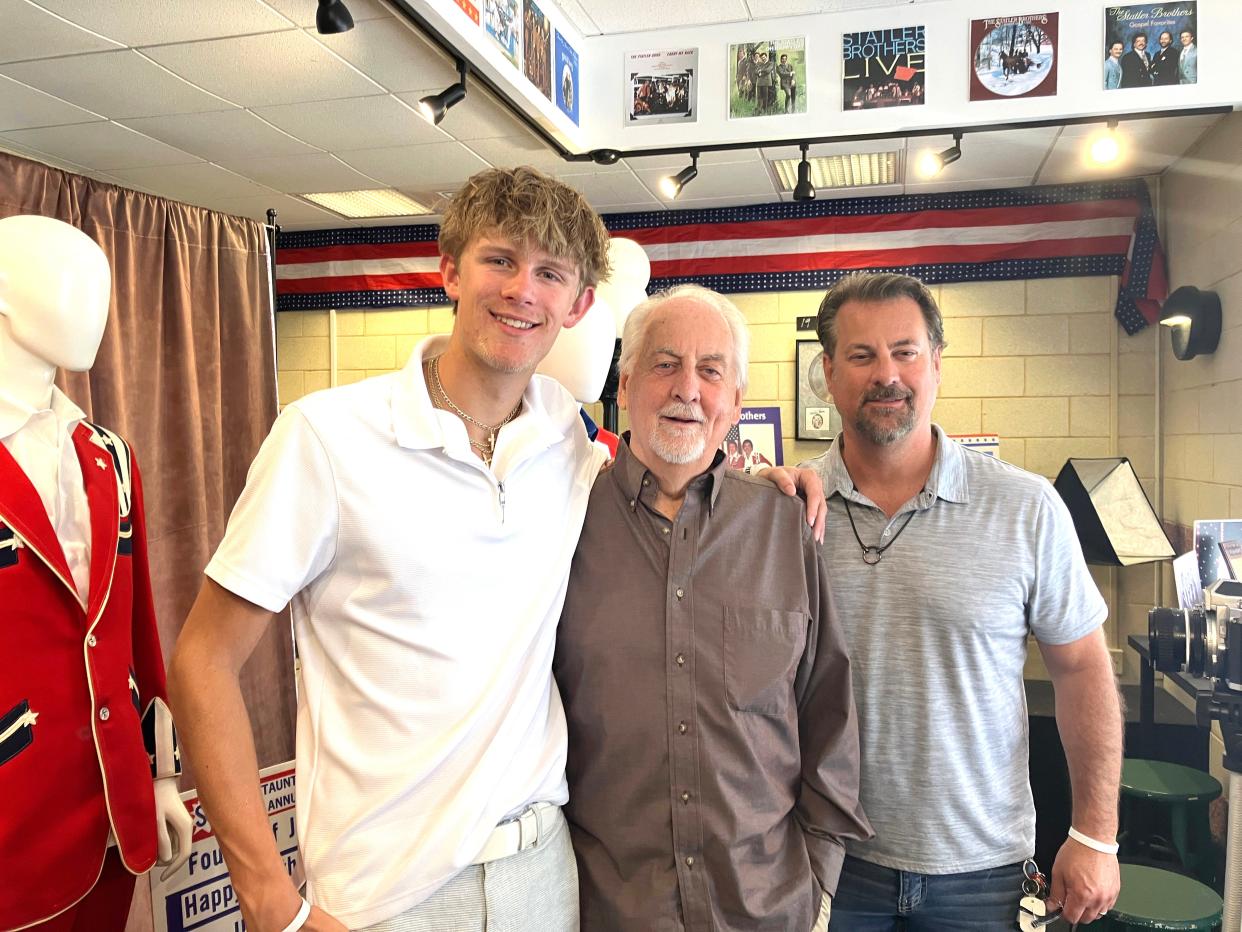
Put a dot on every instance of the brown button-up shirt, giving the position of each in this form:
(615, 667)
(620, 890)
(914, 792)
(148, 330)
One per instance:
(713, 749)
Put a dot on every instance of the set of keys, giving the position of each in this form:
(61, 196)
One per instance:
(1032, 909)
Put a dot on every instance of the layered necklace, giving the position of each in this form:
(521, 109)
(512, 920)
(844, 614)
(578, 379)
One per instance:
(440, 399)
(871, 555)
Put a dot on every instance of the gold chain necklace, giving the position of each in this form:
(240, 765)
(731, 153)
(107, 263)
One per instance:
(438, 394)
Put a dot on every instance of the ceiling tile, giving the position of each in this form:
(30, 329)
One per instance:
(31, 32)
(23, 107)
(299, 174)
(357, 123)
(477, 117)
(194, 184)
(734, 179)
(223, 136)
(679, 160)
(611, 189)
(611, 16)
(101, 146)
(265, 70)
(1006, 154)
(302, 12)
(288, 209)
(417, 168)
(578, 16)
(1148, 147)
(766, 9)
(115, 84)
(509, 151)
(391, 53)
(154, 22)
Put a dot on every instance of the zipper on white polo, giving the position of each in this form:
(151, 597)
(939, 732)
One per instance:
(500, 487)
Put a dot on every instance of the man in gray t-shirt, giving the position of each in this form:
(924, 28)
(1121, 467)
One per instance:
(943, 562)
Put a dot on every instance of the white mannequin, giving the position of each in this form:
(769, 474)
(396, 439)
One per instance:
(55, 287)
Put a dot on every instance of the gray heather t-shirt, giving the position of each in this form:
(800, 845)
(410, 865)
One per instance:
(937, 632)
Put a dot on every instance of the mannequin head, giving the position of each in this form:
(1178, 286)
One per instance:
(55, 287)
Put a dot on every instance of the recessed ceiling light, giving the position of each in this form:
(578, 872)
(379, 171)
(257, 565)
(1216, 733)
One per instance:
(378, 203)
(856, 170)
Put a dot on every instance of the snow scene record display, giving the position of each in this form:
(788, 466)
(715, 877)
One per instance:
(883, 68)
(1150, 45)
(1013, 56)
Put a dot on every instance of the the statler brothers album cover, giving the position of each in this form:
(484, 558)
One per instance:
(883, 68)
(1151, 45)
(1013, 56)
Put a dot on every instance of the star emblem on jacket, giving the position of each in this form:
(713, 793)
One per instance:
(99, 461)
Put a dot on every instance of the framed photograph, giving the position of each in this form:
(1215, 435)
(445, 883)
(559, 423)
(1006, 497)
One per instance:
(883, 68)
(1013, 56)
(537, 47)
(767, 78)
(660, 86)
(503, 23)
(754, 442)
(817, 415)
(1151, 44)
(566, 78)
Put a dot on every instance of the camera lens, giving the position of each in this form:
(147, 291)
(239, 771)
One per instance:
(1167, 632)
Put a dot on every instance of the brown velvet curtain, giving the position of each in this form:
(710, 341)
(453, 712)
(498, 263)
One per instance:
(186, 373)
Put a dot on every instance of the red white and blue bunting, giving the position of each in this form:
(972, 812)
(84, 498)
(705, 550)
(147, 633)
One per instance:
(1051, 231)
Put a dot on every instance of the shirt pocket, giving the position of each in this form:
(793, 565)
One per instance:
(16, 730)
(762, 649)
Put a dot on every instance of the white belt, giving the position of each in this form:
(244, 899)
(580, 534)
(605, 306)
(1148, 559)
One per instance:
(518, 834)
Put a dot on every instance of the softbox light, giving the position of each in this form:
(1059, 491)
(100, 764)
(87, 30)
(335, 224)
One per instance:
(1115, 522)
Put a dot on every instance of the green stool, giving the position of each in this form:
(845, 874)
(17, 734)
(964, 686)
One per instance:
(1155, 899)
(1185, 793)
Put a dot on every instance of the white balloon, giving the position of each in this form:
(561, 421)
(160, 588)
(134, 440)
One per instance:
(629, 261)
(581, 355)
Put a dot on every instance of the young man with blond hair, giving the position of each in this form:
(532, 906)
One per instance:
(421, 525)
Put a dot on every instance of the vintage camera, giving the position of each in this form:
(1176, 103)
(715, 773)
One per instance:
(1204, 642)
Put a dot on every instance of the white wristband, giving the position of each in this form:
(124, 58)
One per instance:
(300, 919)
(1101, 846)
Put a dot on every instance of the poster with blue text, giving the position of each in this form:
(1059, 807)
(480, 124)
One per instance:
(883, 68)
(566, 78)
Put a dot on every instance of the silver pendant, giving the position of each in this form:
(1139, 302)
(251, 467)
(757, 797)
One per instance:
(871, 556)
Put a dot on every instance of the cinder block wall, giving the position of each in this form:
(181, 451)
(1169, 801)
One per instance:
(1042, 363)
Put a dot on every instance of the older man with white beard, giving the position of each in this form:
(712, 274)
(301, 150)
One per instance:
(713, 753)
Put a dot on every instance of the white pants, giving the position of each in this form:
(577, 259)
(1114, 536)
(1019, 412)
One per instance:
(532, 891)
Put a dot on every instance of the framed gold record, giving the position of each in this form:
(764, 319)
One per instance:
(816, 416)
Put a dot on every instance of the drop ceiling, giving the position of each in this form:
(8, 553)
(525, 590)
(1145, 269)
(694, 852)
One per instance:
(239, 106)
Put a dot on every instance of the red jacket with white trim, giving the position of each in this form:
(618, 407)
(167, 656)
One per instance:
(84, 723)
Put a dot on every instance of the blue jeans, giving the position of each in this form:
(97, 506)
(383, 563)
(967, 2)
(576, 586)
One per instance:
(871, 898)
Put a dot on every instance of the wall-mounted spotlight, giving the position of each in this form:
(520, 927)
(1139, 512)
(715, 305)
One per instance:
(671, 185)
(1193, 319)
(332, 17)
(433, 107)
(804, 190)
(931, 164)
(1105, 146)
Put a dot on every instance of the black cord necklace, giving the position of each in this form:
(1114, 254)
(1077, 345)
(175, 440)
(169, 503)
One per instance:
(871, 555)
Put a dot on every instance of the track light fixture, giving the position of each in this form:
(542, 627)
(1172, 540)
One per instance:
(1105, 146)
(804, 190)
(332, 17)
(671, 185)
(434, 106)
(930, 163)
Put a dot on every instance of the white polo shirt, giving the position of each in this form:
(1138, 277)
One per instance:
(425, 592)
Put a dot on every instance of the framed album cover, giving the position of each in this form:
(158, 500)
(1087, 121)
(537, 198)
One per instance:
(754, 442)
(817, 417)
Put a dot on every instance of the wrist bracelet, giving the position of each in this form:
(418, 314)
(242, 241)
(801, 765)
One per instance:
(1101, 846)
(300, 919)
